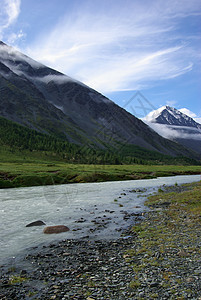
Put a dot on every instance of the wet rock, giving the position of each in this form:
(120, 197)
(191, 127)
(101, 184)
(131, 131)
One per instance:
(36, 223)
(109, 211)
(81, 220)
(55, 229)
(137, 191)
(76, 229)
(154, 284)
(88, 268)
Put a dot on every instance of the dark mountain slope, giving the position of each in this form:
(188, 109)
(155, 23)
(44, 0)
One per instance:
(22, 102)
(49, 101)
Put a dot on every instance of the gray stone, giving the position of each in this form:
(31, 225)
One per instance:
(36, 223)
(55, 229)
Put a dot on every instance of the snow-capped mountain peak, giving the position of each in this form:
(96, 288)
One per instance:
(151, 117)
(175, 125)
(171, 116)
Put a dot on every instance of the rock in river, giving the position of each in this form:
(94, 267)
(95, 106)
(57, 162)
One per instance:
(36, 223)
(55, 229)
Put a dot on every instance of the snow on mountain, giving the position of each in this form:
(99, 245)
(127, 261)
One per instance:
(151, 117)
(46, 100)
(175, 125)
(171, 116)
(191, 114)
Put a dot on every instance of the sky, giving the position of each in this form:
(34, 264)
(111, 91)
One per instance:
(142, 54)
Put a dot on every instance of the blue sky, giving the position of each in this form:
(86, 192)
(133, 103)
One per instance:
(117, 47)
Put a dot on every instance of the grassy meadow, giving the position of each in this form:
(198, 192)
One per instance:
(22, 170)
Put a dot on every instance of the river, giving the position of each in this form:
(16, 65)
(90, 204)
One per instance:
(92, 210)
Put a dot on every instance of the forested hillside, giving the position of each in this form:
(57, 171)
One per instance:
(14, 137)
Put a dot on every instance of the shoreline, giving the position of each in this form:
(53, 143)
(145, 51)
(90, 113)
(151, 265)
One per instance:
(56, 174)
(150, 263)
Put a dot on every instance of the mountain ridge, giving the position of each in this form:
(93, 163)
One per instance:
(46, 100)
(171, 116)
(177, 126)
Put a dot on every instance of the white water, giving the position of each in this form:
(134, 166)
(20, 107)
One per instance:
(66, 204)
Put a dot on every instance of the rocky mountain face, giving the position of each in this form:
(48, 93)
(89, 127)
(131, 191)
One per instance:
(175, 125)
(46, 100)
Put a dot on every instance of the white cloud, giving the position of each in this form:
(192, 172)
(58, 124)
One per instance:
(10, 10)
(60, 79)
(125, 49)
(191, 114)
(13, 37)
(198, 120)
(187, 112)
(6, 52)
(174, 132)
(171, 103)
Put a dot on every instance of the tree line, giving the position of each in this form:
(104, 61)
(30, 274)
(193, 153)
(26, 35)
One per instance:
(22, 138)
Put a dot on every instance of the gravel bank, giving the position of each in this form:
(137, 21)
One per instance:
(158, 259)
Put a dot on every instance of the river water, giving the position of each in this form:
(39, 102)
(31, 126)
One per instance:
(92, 210)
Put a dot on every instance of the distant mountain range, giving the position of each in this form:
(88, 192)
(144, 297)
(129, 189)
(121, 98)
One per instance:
(50, 102)
(175, 125)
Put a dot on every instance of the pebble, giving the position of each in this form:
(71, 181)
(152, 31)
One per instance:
(103, 269)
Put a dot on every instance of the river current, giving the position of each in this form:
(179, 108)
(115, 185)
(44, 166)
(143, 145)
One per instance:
(92, 210)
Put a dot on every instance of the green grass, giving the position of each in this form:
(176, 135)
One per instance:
(189, 200)
(22, 167)
(169, 228)
(14, 279)
(42, 170)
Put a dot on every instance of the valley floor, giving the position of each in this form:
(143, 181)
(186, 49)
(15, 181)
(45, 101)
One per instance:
(158, 258)
(19, 174)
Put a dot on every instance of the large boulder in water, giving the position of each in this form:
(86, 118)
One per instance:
(36, 223)
(55, 229)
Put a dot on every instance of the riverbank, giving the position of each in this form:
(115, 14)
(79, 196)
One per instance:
(159, 258)
(39, 174)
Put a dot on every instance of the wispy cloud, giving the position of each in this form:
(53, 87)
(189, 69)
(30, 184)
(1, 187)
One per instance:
(120, 47)
(9, 12)
(175, 132)
(171, 103)
(187, 112)
(13, 37)
(191, 114)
